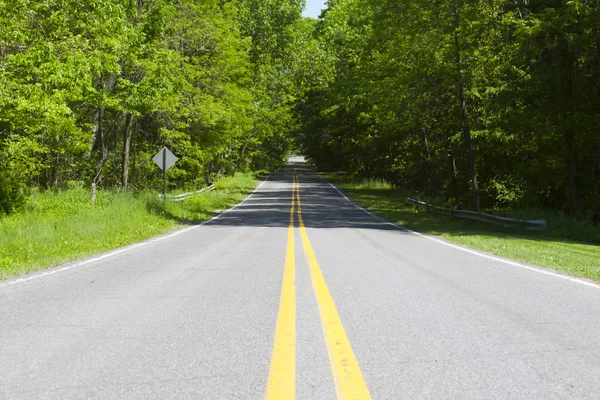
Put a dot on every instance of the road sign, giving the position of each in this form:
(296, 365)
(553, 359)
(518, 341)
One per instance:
(165, 159)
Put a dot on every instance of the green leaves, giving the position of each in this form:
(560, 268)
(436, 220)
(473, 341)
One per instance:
(411, 78)
(87, 85)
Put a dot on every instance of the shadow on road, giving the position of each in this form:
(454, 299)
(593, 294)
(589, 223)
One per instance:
(322, 206)
(325, 208)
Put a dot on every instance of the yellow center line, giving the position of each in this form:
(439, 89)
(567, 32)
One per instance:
(349, 382)
(281, 384)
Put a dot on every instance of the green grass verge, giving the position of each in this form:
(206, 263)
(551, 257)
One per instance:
(566, 245)
(57, 228)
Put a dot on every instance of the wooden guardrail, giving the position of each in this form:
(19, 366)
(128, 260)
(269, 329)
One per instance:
(533, 225)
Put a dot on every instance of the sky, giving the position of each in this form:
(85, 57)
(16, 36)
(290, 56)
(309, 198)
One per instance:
(313, 8)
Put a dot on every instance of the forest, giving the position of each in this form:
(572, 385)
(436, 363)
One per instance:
(489, 104)
(92, 89)
(479, 104)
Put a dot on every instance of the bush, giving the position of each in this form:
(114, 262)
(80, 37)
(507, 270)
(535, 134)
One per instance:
(12, 193)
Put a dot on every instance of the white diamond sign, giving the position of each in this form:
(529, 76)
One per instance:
(165, 159)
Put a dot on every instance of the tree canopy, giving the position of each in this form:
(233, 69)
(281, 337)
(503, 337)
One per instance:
(91, 89)
(481, 103)
(484, 104)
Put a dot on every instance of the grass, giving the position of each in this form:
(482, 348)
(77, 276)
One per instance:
(373, 184)
(58, 228)
(567, 245)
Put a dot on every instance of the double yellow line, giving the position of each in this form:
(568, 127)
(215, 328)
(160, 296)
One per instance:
(348, 379)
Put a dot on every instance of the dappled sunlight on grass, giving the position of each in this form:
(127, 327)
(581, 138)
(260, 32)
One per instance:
(374, 184)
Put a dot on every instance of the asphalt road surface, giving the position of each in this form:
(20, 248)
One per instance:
(312, 298)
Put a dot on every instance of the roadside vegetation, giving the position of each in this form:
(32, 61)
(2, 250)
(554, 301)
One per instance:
(484, 106)
(567, 245)
(90, 91)
(56, 228)
(481, 104)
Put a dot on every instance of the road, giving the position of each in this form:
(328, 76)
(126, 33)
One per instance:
(312, 298)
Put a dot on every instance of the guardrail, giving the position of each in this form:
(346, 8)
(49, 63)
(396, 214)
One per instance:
(183, 196)
(532, 225)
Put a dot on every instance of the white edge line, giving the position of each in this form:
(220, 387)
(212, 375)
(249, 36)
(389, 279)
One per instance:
(56, 270)
(467, 250)
(344, 196)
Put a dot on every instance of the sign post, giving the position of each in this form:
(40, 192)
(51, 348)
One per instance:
(164, 163)
(164, 159)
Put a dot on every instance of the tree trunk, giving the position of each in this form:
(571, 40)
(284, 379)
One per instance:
(575, 199)
(434, 187)
(454, 173)
(242, 153)
(126, 147)
(99, 142)
(426, 144)
(133, 156)
(569, 59)
(55, 172)
(466, 128)
(99, 137)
